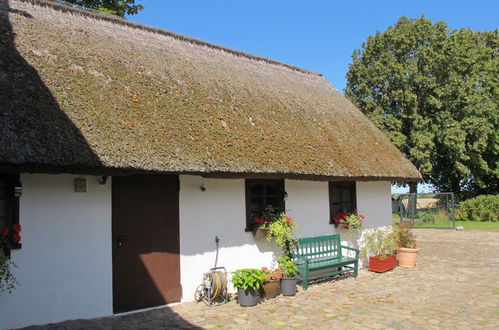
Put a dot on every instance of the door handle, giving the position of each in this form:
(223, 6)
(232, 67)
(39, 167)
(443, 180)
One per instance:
(121, 240)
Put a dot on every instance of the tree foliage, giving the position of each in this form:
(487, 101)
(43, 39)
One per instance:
(434, 92)
(116, 7)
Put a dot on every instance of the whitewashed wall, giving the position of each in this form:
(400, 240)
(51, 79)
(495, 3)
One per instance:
(65, 264)
(220, 211)
(374, 201)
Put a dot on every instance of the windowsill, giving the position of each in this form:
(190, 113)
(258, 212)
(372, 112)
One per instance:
(15, 246)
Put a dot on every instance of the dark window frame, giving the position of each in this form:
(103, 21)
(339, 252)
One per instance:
(340, 186)
(12, 204)
(248, 184)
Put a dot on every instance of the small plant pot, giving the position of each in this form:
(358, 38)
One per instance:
(248, 297)
(271, 289)
(288, 286)
(407, 257)
(260, 232)
(382, 265)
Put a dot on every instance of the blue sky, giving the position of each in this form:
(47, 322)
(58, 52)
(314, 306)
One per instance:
(315, 35)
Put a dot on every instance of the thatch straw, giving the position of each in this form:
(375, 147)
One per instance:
(84, 90)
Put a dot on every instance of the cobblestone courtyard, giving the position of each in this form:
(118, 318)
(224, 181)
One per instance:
(454, 286)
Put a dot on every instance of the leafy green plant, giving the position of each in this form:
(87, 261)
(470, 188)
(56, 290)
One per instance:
(404, 237)
(288, 266)
(248, 278)
(271, 275)
(8, 281)
(480, 208)
(265, 218)
(353, 219)
(378, 243)
(284, 230)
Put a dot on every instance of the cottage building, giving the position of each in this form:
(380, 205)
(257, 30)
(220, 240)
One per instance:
(126, 150)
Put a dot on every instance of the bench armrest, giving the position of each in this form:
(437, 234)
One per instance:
(357, 251)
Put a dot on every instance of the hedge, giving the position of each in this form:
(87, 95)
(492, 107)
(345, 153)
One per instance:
(480, 208)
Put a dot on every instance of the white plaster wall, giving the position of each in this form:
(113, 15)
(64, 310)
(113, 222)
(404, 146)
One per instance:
(65, 264)
(374, 201)
(308, 205)
(218, 211)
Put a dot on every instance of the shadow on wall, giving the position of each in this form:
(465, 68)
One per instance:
(35, 130)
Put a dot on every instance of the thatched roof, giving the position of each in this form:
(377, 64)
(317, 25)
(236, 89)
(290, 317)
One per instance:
(86, 92)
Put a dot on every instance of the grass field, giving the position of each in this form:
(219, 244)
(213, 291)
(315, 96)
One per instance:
(465, 224)
(442, 222)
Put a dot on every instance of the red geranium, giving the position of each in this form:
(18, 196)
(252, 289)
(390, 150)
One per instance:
(288, 219)
(4, 231)
(17, 228)
(16, 238)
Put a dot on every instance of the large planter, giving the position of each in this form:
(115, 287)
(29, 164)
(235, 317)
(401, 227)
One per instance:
(248, 297)
(382, 265)
(288, 286)
(407, 257)
(271, 289)
(260, 232)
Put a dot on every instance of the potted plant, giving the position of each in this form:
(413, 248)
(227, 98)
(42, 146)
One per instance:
(262, 223)
(284, 230)
(378, 245)
(288, 280)
(8, 238)
(271, 282)
(407, 249)
(348, 220)
(247, 282)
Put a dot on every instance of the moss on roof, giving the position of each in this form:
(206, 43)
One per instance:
(84, 90)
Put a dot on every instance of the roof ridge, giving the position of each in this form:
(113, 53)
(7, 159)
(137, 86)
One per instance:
(64, 7)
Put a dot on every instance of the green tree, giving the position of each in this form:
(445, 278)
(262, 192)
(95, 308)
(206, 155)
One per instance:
(433, 91)
(116, 7)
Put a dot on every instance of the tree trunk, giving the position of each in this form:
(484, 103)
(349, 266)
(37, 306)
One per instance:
(413, 201)
(413, 187)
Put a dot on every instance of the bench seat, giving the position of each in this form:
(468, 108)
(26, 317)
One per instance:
(321, 256)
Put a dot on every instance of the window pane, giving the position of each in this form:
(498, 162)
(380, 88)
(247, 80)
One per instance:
(2, 188)
(275, 202)
(336, 196)
(2, 208)
(273, 189)
(335, 208)
(257, 189)
(346, 195)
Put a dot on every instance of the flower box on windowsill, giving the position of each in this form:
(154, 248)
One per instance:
(260, 232)
(341, 225)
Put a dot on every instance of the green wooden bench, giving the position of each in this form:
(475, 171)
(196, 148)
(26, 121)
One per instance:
(321, 256)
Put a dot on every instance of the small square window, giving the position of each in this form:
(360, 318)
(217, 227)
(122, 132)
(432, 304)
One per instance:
(259, 195)
(9, 206)
(342, 198)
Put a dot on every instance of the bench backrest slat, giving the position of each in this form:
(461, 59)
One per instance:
(319, 246)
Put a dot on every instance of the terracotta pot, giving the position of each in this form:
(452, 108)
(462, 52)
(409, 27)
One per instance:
(382, 265)
(260, 232)
(271, 289)
(407, 257)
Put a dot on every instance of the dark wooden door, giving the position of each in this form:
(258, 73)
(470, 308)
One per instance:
(145, 228)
